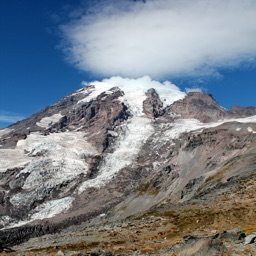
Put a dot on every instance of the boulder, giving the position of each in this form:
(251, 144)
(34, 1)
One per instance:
(236, 235)
(201, 246)
(250, 239)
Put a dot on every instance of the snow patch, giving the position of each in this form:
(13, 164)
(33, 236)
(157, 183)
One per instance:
(57, 145)
(183, 125)
(48, 121)
(249, 129)
(12, 158)
(108, 92)
(187, 125)
(250, 119)
(14, 224)
(46, 210)
(94, 90)
(113, 133)
(52, 208)
(238, 129)
(5, 220)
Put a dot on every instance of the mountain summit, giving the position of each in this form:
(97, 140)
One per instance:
(115, 150)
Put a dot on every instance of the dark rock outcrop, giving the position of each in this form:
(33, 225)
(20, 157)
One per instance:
(153, 106)
(201, 245)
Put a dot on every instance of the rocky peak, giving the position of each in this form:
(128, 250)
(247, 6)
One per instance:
(198, 105)
(203, 107)
(99, 116)
(152, 106)
(243, 112)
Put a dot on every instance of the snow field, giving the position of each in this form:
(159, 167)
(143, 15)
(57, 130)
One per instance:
(53, 159)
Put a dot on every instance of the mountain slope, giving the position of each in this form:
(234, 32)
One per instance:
(109, 152)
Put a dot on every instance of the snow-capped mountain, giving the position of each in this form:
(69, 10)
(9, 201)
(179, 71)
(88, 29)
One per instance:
(117, 148)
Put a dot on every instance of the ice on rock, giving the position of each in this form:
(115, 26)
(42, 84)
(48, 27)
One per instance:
(12, 158)
(47, 121)
(52, 208)
(249, 129)
(46, 210)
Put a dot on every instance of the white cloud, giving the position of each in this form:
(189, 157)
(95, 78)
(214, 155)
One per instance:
(8, 117)
(135, 89)
(193, 89)
(162, 38)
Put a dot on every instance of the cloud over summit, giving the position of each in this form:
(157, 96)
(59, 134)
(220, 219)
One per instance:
(162, 38)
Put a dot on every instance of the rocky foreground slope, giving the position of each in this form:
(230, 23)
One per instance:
(130, 171)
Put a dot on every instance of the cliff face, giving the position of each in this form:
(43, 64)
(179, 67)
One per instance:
(111, 153)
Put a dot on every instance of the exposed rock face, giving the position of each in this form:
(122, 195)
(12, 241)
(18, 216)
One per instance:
(29, 125)
(153, 106)
(203, 107)
(202, 246)
(200, 106)
(114, 153)
(95, 117)
(240, 111)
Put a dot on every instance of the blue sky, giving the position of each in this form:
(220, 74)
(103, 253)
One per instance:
(49, 47)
